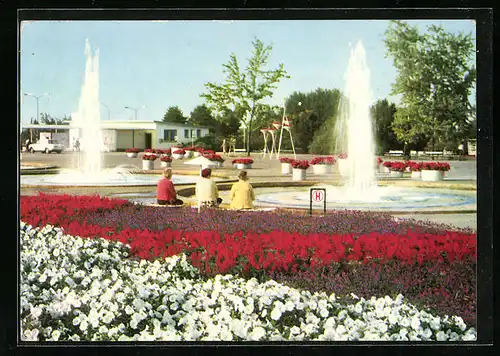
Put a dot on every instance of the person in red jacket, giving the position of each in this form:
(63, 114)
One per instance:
(165, 191)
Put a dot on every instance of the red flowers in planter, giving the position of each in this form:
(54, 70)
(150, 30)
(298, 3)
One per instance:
(379, 160)
(166, 159)
(208, 152)
(179, 152)
(395, 166)
(286, 160)
(242, 161)
(132, 150)
(323, 160)
(149, 157)
(214, 157)
(436, 166)
(415, 166)
(300, 164)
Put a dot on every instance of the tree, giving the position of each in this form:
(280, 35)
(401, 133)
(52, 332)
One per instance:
(201, 116)
(174, 115)
(436, 75)
(243, 91)
(382, 114)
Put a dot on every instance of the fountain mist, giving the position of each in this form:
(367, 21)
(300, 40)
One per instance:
(88, 117)
(354, 129)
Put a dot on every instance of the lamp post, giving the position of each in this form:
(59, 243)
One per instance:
(37, 97)
(135, 110)
(107, 108)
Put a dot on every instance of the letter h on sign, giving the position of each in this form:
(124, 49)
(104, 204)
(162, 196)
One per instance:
(317, 195)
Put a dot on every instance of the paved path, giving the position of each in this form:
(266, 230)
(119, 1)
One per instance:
(462, 173)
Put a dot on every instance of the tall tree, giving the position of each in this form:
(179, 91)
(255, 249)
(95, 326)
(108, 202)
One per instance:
(244, 90)
(174, 115)
(436, 75)
(201, 116)
(382, 113)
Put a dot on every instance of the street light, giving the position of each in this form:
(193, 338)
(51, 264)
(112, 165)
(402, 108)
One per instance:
(107, 108)
(135, 110)
(37, 97)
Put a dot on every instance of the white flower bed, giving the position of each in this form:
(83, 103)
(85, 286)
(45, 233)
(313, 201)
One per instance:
(81, 289)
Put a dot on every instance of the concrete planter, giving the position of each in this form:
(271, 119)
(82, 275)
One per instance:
(384, 169)
(243, 166)
(416, 175)
(131, 154)
(147, 165)
(342, 165)
(188, 154)
(286, 168)
(177, 156)
(196, 154)
(298, 174)
(396, 174)
(322, 168)
(220, 164)
(432, 175)
(166, 164)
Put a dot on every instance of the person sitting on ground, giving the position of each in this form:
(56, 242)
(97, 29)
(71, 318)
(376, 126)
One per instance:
(206, 190)
(165, 190)
(242, 195)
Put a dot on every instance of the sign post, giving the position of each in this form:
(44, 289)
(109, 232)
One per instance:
(317, 195)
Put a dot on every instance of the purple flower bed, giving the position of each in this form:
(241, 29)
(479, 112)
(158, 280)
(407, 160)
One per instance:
(224, 221)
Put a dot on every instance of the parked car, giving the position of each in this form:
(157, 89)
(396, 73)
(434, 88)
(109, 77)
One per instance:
(46, 146)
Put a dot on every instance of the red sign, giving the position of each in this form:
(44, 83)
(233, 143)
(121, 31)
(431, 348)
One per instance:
(318, 196)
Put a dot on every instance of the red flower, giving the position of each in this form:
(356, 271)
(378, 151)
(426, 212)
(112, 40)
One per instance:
(300, 164)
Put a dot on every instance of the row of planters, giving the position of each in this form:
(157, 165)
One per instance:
(167, 155)
(426, 171)
(321, 165)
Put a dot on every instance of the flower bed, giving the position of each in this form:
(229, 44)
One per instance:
(286, 160)
(132, 150)
(297, 164)
(283, 244)
(74, 289)
(329, 160)
(395, 166)
(436, 166)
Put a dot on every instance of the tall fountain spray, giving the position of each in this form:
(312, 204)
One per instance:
(88, 118)
(354, 129)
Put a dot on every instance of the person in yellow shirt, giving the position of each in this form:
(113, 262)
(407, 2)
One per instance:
(242, 195)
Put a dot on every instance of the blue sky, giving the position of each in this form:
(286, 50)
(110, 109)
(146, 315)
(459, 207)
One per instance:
(160, 64)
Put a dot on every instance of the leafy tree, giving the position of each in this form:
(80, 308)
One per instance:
(244, 90)
(201, 116)
(382, 114)
(174, 115)
(435, 77)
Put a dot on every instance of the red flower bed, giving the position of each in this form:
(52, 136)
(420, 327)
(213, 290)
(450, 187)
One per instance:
(323, 160)
(150, 157)
(395, 166)
(286, 160)
(166, 159)
(216, 252)
(132, 150)
(242, 161)
(214, 157)
(415, 166)
(436, 166)
(300, 164)
(179, 152)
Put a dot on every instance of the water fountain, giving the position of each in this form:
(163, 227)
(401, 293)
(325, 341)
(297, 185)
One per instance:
(90, 170)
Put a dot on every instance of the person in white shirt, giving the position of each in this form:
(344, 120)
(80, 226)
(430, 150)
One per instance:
(207, 193)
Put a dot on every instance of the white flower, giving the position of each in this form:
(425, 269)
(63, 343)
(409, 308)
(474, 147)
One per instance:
(435, 323)
(42, 278)
(35, 312)
(129, 310)
(84, 325)
(276, 313)
(257, 333)
(441, 336)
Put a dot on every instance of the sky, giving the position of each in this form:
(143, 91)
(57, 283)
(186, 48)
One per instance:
(152, 65)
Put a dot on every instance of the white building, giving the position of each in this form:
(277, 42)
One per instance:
(120, 135)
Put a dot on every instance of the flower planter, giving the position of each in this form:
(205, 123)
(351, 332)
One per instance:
(188, 154)
(396, 174)
(342, 165)
(321, 168)
(298, 174)
(166, 164)
(286, 168)
(147, 165)
(243, 166)
(220, 164)
(132, 154)
(196, 154)
(416, 175)
(431, 175)
(177, 156)
(384, 169)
